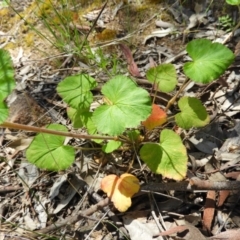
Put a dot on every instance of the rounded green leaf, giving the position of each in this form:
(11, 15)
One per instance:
(193, 113)
(126, 106)
(168, 158)
(164, 76)
(210, 60)
(233, 2)
(75, 90)
(48, 152)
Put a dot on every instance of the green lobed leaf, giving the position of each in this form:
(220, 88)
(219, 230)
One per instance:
(126, 105)
(233, 2)
(193, 113)
(209, 60)
(168, 158)
(111, 146)
(164, 76)
(48, 152)
(75, 90)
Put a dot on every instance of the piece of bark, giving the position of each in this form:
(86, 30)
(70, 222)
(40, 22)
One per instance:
(209, 210)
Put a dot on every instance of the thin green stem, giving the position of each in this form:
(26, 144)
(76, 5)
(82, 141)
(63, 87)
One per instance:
(170, 118)
(87, 149)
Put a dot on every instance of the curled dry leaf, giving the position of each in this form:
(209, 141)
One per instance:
(132, 66)
(157, 118)
(120, 189)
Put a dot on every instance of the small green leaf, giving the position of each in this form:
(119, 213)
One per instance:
(83, 118)
(193, 113)
(75, 90)
(48, 152)
(134, 135)
(164, 76)
(4, 4)
(126, 106)
(111, 146)
(233, 2)
(79, 117)
(3, 111)
(76, 117)
(210, 60)
(7, 82)
(168, 158)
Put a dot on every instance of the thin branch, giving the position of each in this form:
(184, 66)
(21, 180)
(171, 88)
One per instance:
(10, 189)
(194, 184)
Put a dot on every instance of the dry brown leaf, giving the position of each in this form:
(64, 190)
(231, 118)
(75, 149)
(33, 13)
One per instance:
(152, 63)
(233, 234)
(25, 110)
(173, 230)
(237, 49)
(209, 209)
(222, 197)
(19, 145)
(233, 175)
(193, 234)
(132, 66)
(133, 69)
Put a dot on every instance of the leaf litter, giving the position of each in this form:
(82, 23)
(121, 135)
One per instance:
(37, 202)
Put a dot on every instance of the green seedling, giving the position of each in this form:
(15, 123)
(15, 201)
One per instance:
(226, 22)
(234, 3)
(125, 105)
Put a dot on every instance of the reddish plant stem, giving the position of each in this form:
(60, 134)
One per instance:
(54, 132)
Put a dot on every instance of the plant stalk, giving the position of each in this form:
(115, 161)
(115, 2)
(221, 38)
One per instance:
(173, 99)
(54, 132)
